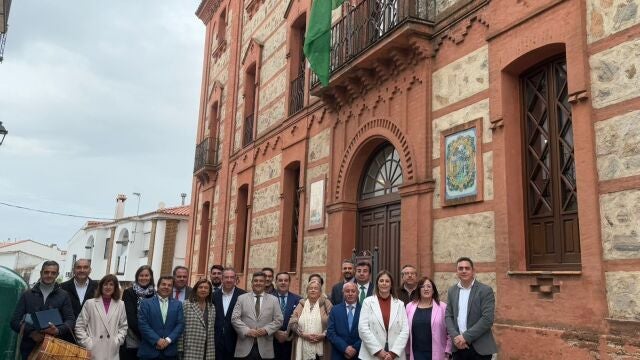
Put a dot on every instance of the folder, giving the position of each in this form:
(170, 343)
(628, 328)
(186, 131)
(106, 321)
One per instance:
(41, 319)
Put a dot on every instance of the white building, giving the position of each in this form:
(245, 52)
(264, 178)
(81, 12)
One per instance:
(119, 247)
(26, 256)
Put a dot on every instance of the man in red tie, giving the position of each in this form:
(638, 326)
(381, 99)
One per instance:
(180, 278)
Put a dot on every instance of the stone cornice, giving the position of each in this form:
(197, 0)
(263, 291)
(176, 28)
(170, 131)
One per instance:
(207, 9)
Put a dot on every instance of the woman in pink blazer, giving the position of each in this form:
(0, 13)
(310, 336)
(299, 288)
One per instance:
(428, 338)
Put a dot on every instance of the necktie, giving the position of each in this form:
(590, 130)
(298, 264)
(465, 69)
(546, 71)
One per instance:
(363, 294)
(350, 315)
(163, 309)
(177, 294)
(258, 306)
(283, 303)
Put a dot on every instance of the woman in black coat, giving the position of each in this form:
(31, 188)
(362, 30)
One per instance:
(142, 288)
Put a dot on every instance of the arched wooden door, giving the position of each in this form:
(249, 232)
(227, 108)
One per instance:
(379, 209)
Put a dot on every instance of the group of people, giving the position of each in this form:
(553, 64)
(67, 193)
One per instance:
(363, 318)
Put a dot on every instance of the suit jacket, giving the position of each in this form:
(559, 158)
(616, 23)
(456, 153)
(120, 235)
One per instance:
(440, 340)
(102, 332)
(198, 335)
(369, 291)
(76, 303)
(283, 350)
(336, 292)
(338, 332)
(372, 331)
(187, 292)
(244, 318)
(225, 335)
(153, 329)
(480, 315)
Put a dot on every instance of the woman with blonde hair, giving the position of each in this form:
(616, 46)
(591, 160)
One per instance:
(102, 324)
(308, 323)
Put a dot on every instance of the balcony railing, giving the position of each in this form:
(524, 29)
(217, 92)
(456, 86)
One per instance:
(206, 154)
(247, 137)
(368, 23)
(296, 95)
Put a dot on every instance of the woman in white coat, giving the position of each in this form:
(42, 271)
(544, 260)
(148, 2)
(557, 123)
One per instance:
(102, 324)
(383, 325)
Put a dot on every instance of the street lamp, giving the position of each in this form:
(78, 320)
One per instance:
(3, 133)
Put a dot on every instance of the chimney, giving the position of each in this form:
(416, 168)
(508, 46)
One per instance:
(183, 196)
(120, 199)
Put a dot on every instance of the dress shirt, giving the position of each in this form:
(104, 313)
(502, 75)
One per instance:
(463, 306)
(164, 307)
(181, 295)
(366, 289)
(81, 289)
(226, 300)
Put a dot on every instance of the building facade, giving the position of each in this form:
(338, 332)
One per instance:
(25, 257)
(503, 130)
(120, 247)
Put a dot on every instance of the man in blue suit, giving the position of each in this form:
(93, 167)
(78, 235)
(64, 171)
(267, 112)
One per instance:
(161, 322)
(342, 328)
(224, 301)
(288, 302)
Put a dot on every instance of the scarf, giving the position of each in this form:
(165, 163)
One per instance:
(143, 293)
(310, 322)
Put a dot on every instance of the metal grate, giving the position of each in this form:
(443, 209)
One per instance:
(296, 94)
(206, 154)
(248, 130)
(370, 21)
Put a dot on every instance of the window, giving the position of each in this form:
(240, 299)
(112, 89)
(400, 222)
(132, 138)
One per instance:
(204, 238)
(297, 65)
(384, 174)
(291, 217)
(107, 244)
(222, 27)
(88, 248)
(249, 105)
(550, 191)
(242, 220)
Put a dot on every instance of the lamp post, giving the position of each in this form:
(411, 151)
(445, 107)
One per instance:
(3, 133)
(135, 225)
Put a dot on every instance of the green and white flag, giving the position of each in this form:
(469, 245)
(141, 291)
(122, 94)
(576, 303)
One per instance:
(317, 42)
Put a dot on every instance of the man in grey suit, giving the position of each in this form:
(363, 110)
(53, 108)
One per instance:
(256, 317)
(469, 316)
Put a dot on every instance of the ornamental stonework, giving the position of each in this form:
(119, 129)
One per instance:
(607, 17)
(266, 198)
(319, 145)
(466, 114)
(620, 224)
(315, 251)
(263, 255)
(464, 235)
(265, 226)
(267, 170)
(460, 79)
(618, 146)
(614, 74)
(623, 294)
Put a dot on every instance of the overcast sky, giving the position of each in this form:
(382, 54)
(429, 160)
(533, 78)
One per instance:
(99, 98)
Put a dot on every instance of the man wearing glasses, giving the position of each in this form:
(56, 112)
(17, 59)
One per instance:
(409, 283)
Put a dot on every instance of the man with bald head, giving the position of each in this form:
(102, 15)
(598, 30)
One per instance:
(80, 287)
(342, 328)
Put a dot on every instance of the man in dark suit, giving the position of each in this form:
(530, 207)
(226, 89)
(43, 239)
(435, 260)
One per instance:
(224, 301)
(288, 302)
(80, 288)
(161, 322)
(342, 327)
(180, 278)
(347, 276)
(363, 280)
(470, 314)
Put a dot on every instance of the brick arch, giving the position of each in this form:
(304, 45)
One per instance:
(373, 132)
